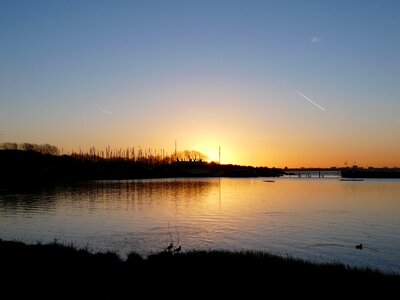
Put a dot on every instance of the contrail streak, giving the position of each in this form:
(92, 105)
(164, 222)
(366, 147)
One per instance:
(308, 99)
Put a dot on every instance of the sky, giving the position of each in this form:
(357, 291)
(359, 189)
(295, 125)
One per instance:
(274, 83)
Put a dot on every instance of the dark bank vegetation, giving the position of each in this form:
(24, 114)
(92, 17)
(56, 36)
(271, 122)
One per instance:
(43, 163)
(203, 269)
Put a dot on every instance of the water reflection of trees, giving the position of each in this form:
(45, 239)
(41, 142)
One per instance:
(28, 199)
(115, 194)
(145, 193)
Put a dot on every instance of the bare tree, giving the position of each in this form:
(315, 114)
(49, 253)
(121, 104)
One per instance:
(191, 156)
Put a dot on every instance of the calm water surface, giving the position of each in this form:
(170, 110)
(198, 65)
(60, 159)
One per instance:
(317, 219)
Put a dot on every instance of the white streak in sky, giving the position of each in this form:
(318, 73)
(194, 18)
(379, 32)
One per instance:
(107, 112)
(308, 99)
(316, 39)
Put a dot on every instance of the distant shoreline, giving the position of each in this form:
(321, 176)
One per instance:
(28, 166)
(22, 167)
(371, 173)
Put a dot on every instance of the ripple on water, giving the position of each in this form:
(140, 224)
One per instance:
(318, 219)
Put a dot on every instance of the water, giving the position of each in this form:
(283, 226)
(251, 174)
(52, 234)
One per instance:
(316, 219)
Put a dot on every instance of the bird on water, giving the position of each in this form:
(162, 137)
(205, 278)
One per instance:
(177, 250)
(169, 248)
(360, 246)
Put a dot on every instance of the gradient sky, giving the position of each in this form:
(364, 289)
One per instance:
(274, 83)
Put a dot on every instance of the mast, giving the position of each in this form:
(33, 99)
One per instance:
(175, 151)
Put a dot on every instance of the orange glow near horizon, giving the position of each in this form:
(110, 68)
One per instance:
(268, 133)
(286, 156)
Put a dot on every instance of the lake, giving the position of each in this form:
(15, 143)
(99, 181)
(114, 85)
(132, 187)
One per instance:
(317, 219)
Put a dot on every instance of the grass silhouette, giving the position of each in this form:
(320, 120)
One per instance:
(61, 265)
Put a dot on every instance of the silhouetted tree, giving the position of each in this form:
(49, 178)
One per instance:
(9, 146)
(28, 147)
(191, 156)
(44, 149)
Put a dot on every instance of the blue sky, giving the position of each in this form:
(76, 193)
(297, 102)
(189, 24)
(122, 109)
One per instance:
(126, 73)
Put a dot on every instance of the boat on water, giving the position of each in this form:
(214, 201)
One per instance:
(371, 173)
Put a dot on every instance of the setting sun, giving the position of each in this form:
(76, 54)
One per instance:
(212, 155)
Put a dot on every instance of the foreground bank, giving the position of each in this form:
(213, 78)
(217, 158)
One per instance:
(67, 266)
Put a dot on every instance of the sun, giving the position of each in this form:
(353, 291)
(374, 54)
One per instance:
(209, 149)
(212, 155)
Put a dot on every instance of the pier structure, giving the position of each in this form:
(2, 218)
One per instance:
(312, 173)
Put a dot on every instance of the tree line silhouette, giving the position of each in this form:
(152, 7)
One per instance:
(148, 156)
(32, 163)
(43, 149)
